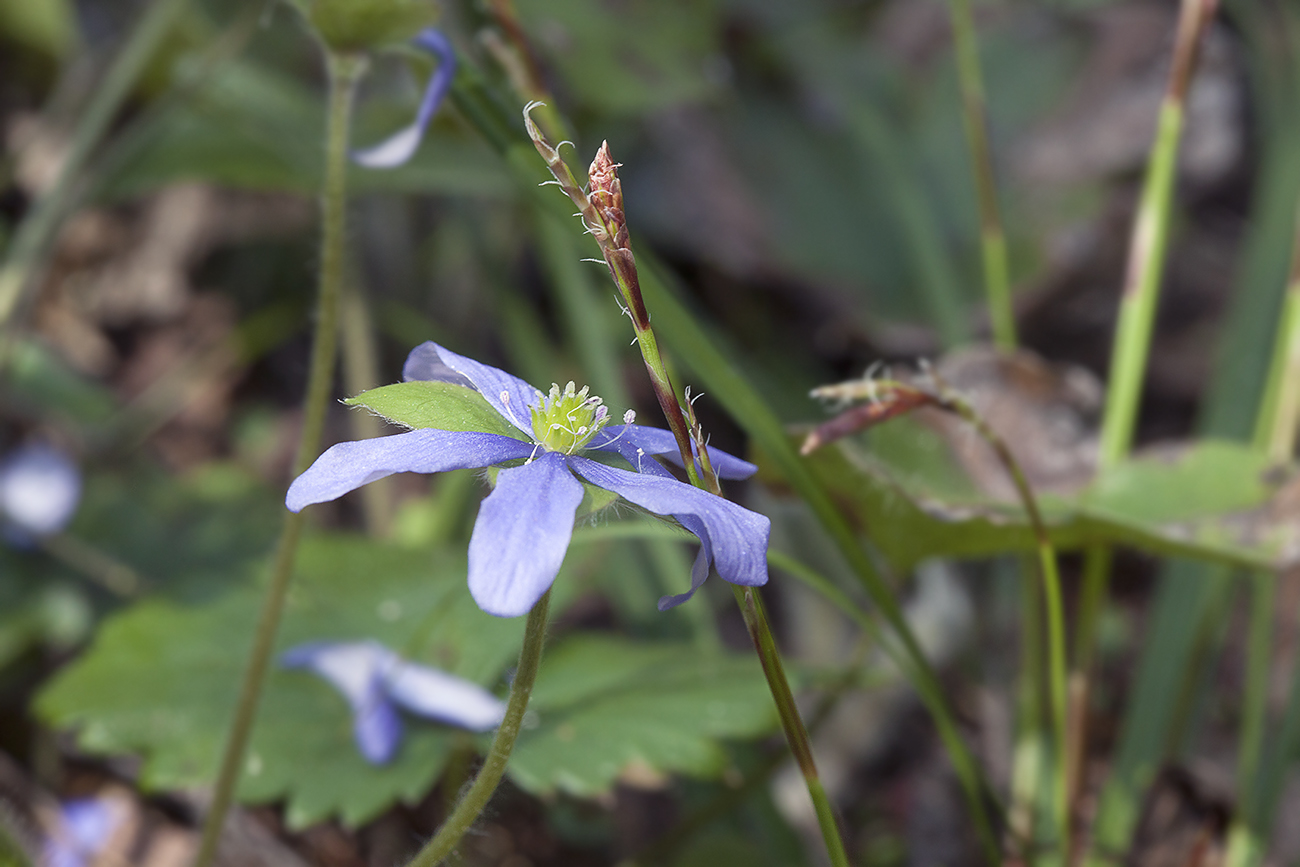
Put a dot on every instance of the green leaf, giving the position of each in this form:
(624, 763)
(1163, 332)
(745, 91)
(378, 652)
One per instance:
(440, 405)
(1206, 501)
(414, 601)
(609, 707)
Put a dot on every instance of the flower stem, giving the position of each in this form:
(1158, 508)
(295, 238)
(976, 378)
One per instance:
(796, 734)
(344, 72)
(480, 791)
(20, 271)
(993, 241)
(602, 213)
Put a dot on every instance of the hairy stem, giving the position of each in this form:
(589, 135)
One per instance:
(344, 72)
(485, 783)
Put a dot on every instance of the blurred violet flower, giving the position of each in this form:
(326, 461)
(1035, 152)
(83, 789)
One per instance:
(81, 831)
(39, 491)
(400, 147)
(375, 681)
(524, 526)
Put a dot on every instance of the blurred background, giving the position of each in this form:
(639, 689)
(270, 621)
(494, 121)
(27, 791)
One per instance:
(799, 173)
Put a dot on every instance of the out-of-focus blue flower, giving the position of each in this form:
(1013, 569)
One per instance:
(375, 680)
(82, 829)
(525, 524)
(401, 146)
(39, 491)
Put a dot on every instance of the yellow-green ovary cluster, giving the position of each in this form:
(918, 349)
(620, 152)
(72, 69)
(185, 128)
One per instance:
(565, 421)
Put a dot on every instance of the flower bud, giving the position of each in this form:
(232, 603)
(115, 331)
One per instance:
(360, 25)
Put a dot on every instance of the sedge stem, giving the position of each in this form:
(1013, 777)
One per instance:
(796, 734)
(478, 794)
(993, 240)
(344, 72)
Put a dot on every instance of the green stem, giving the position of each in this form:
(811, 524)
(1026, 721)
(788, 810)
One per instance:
(32, 240)
(993, 241)
(480, 791)
(796, 735)
(361, 372)
(1054, 611)
(344, 72)
(1148, 244)
(1132, 341)
(1275, 435)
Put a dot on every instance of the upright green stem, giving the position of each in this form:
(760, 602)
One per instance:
(480, 791)
(993, 241)
(1138, 303)
(1054, 610)
(344, 72)
(796, 734)
(1147, 247)
(32, 240)
(1275, 435)
(602, 212)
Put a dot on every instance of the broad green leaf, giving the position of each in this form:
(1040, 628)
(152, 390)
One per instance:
(302, 751)
(440, 405)
(609, 707)
(1205, 501)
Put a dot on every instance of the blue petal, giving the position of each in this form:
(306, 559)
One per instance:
(376, 727)
(733, 537)
(509, 395)
(347, 466)
(39, 490)
(83, 828)
(657, 441)
(402, 146)
(444, 697)
(522, 532)
(356, 669)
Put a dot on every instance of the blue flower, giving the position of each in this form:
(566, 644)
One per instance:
(82, 829)
(525, 524)
(39, 491)
(400, 147)
(374, 680)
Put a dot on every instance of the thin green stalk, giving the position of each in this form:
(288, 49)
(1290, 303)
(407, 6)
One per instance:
(1138, 303)
(796, 734)
(1054, 612)
(22, 266)
(602, 212)
(993, 240)
(360, 372)
(1148, 245)
(699, 348)
(1275, 435)
(478, 794)
(344, 72)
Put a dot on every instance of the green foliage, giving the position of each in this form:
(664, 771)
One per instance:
(346, 588)
(1209, 502)
(440, 405)
(608, 706)
(629, 57)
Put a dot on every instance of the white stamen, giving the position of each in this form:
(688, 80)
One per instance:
(629, 416)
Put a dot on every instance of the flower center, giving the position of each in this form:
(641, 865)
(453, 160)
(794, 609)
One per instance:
(565, 421)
